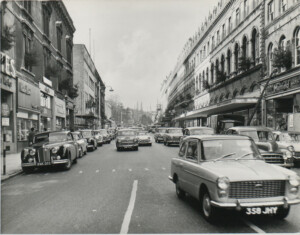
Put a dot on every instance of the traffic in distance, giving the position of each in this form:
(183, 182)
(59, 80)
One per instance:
(245, 169)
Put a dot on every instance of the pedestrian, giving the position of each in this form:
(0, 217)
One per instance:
(30, 136)
(45, 129)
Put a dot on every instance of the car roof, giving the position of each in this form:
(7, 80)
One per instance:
(174, 128)
(250, 128)
(198, 127)
(48, 132)
(292, 132)
(218, 137)
(127, 129)
(86, 130)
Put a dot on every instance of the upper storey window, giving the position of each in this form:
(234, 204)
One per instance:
(297, 48)
(283, 4)
(46, 17)
(237, 16)
(27, 6)
(271, 10)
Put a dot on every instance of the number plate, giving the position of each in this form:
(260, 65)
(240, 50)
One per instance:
(261, 210)
(43, 163)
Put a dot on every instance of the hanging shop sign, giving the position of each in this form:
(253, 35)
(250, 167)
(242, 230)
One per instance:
(7, 65)
(28, 95)
(282, 86)
(47, 81)
(5, 110)
(46, 89)
(60, 107)
(5, 121)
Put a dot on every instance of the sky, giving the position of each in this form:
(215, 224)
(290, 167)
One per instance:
(135, 43)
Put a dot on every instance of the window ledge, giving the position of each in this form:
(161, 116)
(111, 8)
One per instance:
(27, 72)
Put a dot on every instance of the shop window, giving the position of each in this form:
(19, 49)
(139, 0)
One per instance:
(297, 46)
(23, 128)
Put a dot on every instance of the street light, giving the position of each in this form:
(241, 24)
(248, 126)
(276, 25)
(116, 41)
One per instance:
(111, 89)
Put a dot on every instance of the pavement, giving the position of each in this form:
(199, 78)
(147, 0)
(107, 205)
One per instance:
(117, 192)
(13, 166)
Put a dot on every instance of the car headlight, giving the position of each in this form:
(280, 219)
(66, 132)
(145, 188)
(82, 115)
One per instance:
(32, 152)
(223, 183)
(294, 181)
(287, 154)
(291, 148)
(55, 149)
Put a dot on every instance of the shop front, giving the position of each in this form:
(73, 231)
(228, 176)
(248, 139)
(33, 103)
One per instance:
(60, 114)
(28, 111)
(8, 104)
(46, 102)
(282, 103)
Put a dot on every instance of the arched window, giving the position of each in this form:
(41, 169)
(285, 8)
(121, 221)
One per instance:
(217, 65)
(244, 47)
(227, 95)
(207, 75)
(282, 42)
(228, 62)
(254, 46)
(222, 63)
(243, 90)
(297, 46)
(270, 58)
(236, 57)
(212, 71)
(234, 94)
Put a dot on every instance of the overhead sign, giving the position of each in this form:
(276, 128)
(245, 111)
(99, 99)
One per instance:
(5, 121)
(46, 89)
(5, 110)
(8, 65)
(47, 81)
(284, 85)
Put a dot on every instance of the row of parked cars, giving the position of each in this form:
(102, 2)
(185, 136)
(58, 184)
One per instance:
(62, 148)
(232, 171)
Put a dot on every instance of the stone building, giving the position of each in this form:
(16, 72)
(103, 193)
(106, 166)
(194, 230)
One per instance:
(90, 104)
(41, 47)
(225, 61)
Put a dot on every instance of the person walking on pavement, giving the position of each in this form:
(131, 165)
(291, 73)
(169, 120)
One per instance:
(30, 136)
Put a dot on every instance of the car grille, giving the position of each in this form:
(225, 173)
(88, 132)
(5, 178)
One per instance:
(273, 158)
(43, 155)
(257, 189)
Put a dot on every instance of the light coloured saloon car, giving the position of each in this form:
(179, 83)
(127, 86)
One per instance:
(229, 172)
(144, 138)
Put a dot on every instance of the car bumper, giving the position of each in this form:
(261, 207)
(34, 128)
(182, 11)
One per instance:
(172, 141)
(53, 162)
(90, 146)
(127, 145)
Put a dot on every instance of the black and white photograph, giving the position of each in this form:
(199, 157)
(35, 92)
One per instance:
(150, 117)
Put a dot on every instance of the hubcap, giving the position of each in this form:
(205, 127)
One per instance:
(206, 206)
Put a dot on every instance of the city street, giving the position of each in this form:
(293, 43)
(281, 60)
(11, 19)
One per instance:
(112, 192)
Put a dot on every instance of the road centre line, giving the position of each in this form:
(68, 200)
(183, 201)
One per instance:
(129, 169)
(253, 226)
(128, 214)
(97, 171)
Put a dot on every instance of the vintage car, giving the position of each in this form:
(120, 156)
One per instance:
(172, 136)
(111, 133)
(105, 135)
(50, 149)
(81, 142)
(90, 138)
(158, 135)
(127, 138)
(199, 130)
(144, 138)
(229, 172)
(291, 141)
(266, 144)
(98, 137)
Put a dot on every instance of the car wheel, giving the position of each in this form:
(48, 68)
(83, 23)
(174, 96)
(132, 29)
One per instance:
(28, 170)
(155, 141)
(164, 143)
(179, 192)
(209, 212)
(85, 152)
(94, 147)
(108, 142)
(282, 212)
(150, 144)
(136, 148)
(81, 153)
(118, 149)
(68, 165)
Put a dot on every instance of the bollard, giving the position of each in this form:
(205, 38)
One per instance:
(4, 161)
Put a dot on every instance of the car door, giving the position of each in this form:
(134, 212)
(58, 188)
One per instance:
(73, 145)
(178, 165)
(191, 167)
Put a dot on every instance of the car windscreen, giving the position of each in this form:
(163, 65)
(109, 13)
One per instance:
(234, 148)
(41, 138)
(86, 134)
(175, 131)
(291, 137)
(161, 130)
(126, 133)
(103, 132)
(57, 137)
(259, 135)
(201, 131)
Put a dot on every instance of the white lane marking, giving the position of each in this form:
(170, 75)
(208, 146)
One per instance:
(128, 214)
(80, 172)
(97, 171)
(253, 226)
(129, 169)
(146, 169)
(163, 168)
(46, 174)
(94, 210)
(113, 170)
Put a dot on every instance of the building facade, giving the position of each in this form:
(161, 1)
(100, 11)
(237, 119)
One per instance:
(38, 41)
(224, 65)
(90, 104)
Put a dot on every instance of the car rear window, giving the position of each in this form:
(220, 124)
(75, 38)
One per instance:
(202, 132)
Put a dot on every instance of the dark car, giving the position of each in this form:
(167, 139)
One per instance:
(127, 138)
(105, 135)
(50, 149)
(266, 144)
(90, 138)
(82, 143)
(172, 136)
(158, 135)
(199, 130)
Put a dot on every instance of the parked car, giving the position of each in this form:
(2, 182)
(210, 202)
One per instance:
(105, 135)
(158, 135)
(291, 141)
(111, 134)
(81, 142)
(199, 130)
(127, 138)
(172, 136)
(50, 149)
(144, 138)
(228, 172)
(266, 144)
(90, 138)
(98, 137)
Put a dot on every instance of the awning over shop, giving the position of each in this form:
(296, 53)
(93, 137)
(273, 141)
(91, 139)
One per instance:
(225, 106)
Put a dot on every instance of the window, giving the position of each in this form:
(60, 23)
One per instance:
(207, 74)
(222, 64)
(182, 149)
(254, 46)
(47, 58)
(27, 38)
(297, 46)
(228, 62)
(192, 151)
(283, 4)
(246, 9)
(244, 47)
(229, 25)
(212, 71)
(69, 51)
(27, 6)
(236, 57)
(271, 11)
(204, 52)
(58, 37)
(223, 31)
(270, 58)
(45, 100)
(218, 37)
(207, 47)
(213, 42)
(46, 19)
(282, 42)
(237, 16)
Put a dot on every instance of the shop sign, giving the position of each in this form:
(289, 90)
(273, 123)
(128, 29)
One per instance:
(24, 88)
(5, 110)
(28, 95)
(285, 85)
(60, 107)
(47, 81)
(8, 65)
(46, 89)
(33, 117)
(22, 115)
(70, 105)
(45, 112)
(5, 121)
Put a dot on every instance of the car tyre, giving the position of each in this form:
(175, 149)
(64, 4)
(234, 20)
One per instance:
(209, 212)
(68, 165)
(282, 212)
(81, 153)
(179, 192)
(150, 144)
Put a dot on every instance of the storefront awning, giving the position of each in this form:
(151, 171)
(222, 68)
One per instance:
(225, 106)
